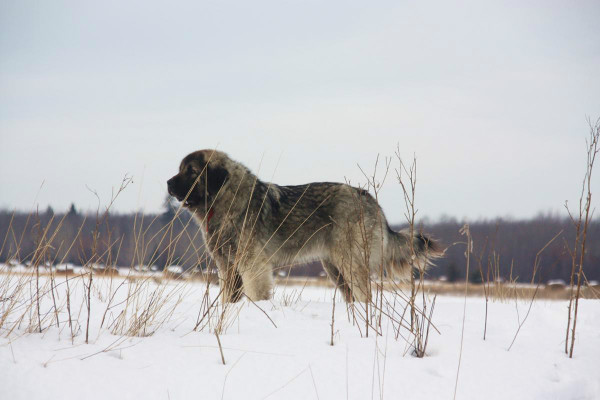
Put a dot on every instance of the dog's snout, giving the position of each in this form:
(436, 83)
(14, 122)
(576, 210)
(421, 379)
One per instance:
(170, 184)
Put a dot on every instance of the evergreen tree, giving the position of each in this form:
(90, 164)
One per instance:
(452, 272)
(72, 210)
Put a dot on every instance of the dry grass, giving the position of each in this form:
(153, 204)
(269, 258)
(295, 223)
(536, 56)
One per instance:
(508, 290)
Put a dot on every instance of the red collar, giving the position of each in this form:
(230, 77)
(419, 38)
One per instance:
(211, 212)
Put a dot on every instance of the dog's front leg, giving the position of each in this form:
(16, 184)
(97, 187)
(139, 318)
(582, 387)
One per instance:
(229, 280)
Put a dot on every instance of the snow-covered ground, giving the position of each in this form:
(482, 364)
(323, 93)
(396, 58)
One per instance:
(289, 357)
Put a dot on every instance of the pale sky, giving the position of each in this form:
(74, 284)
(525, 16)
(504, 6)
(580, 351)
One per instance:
(492, 97)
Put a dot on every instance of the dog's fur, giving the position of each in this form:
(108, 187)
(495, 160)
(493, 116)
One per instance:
(251, 226)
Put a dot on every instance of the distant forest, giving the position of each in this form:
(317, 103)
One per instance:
(127, 240)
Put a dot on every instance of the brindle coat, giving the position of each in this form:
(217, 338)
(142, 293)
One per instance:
(251, 226)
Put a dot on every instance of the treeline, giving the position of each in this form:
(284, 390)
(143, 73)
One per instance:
(508, 248)
(111, 239)
(502, 248)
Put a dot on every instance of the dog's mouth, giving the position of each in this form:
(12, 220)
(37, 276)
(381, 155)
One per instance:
(186, 202)
(189, 203)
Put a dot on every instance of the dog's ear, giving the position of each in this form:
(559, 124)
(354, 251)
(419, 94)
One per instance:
(216, 177)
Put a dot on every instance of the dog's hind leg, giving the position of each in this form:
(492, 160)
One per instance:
(338, 279)
(359, 281)
(356, 278)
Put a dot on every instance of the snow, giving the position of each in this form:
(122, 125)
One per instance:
(294, 360)
(65, 267)
(141, 268)
(174, 269)
(556, 282)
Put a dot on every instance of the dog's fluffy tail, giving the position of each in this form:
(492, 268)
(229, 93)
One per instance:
(402, 254)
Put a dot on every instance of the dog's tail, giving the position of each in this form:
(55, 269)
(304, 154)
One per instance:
(405, 252)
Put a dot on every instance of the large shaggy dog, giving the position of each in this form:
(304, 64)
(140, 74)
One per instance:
(251, 226)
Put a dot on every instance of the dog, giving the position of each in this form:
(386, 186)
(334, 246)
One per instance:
(251, 227)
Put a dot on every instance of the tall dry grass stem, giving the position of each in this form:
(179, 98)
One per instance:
(581, 224)
(465, 231)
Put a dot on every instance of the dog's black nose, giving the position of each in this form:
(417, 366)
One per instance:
(170, 186)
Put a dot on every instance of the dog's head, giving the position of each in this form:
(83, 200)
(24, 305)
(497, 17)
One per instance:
(201, 175)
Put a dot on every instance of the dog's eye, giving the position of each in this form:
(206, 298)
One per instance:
(190, 170)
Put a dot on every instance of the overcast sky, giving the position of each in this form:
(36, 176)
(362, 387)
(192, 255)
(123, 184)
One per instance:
(491, 97)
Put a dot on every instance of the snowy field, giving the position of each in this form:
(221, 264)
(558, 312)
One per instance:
(147, 347)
